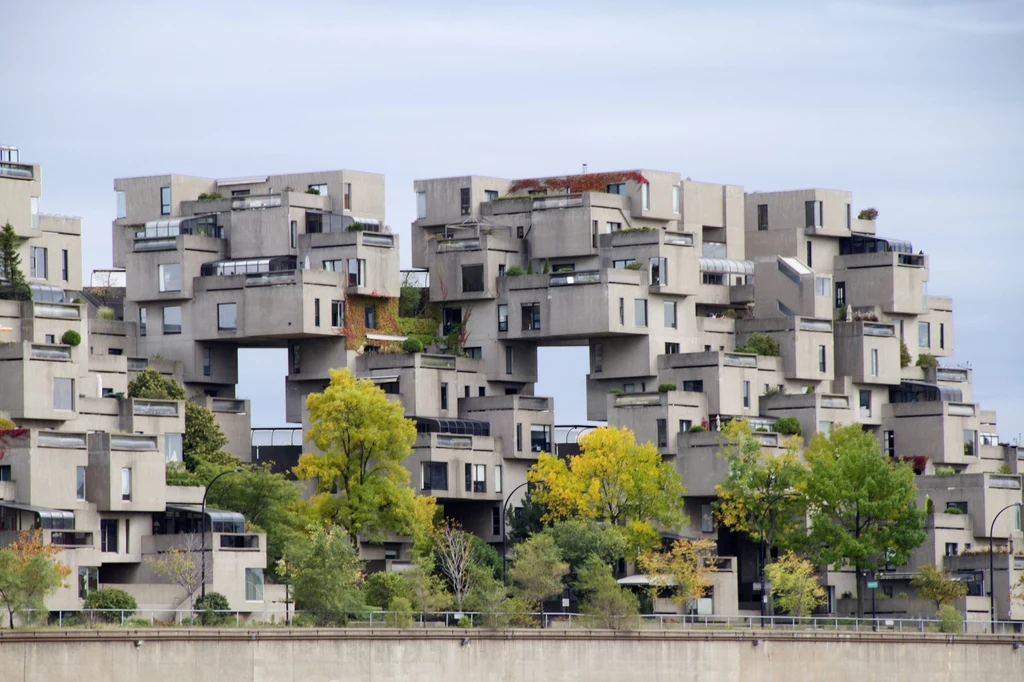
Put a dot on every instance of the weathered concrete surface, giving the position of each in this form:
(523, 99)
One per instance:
(508, 656)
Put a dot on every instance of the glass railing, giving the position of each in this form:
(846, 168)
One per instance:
(70, 538)
(462, 442)
(51, 439)
(558, 201)
(683, 238)
(457, 245)
(223, 405)
(879, 330)
(51, 352)
(437, 361)
(21, 171)
(372, 239)
(156, 408)
(239, 541)
(564, 279)
(62, 311)
(128, 442)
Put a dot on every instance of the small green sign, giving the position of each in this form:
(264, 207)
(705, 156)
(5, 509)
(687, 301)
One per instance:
(872, 584)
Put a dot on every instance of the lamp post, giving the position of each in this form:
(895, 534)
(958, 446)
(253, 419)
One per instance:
(202, 523)
(764, 514)
(992, 565)
(504, 535)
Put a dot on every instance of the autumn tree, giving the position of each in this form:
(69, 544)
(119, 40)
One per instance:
(182, 565)
(862, 507)
(795, 587)
(12, 279)
(362, 438)
(29, 573)
(326, 574)
(686, 567)
(538, 569)
(938, 586)
(613, 479)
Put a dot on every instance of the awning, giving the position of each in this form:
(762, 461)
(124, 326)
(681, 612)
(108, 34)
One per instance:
(59, 519)
(641, 579)
(796, 265)
(47, 293)
(727, 266)
(242, 181)
(215, 515)
(385, 337)
(385, 379)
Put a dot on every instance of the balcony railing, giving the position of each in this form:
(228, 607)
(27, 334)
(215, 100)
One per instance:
(809, 325)
(137, 364)
(239, 541)
(458, 442)
(879, 330)
(637, 399)
(679, 238)
(53, 439)
(951, 375)
(66, 538)
(739, 360)
(60, 311)
(255, 201)
(22, 171)
(120, 441)
(375, 239)
(1008, 482)
(153, 408)
(533, 403)
(270, 279)
(437, 361)
(911, 259)
(224, 405)
(558, 201)
(563, 279)
(839, 402)
(458, 245)
(48, 352)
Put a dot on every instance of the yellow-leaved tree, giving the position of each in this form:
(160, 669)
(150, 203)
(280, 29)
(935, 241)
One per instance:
(29, 572)
(616, 480)
(362, 438)
(686, 567)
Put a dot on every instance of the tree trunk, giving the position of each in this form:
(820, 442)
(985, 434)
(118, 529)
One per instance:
(860, 593)
(10, 616)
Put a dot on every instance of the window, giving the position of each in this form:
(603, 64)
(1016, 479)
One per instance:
(746, 394)
(501, 269)
(295, 233)
(451, 319)
(467, 391)
(662, 432)
(613, 227)
(659, 270)
(889, 443)
(88, 580)
(508, 359)
(240, 192)
(597, 357)
(433, 476)
(874, 362)
(126, 484)
(476, 478)
(840, 294)
(824, 427)
(495, 521)
(296, 358)
(207, 362)
(849, 220)
(531, 317)
(5, 475)
(942, 335)
(472, 278)
(63, 394)
(675, 198)
(622, 311)
(1016, 518)
(540, 437)
(762, 217)
(165, 201)
(473, 353)
(707, 519)
(172, 447)
(617, 188)
(712, 278)
(924, 335)
(114, 351)
(444, 396)
(645, 196)
(593, 233)
(464, 201)
(685, 425)
(502, 317)
(108, 535)
(37, 262)
(490, 195)
(671, 348)
(79, 483)
(810, 255)
(421, 205)
(172, 319)
(122, 203)
(50, 338)
(865, 403)
(347, 187)
(227, 315)
(962, 506)
(64, 264)
(316, 312)
(640, 309)
(482, 392)
(519, 231)
(320, 189)
(629, 388)
(127, 536)
(670, 315)
(356, 272)
(970, 438)
(497, 478)
(822, 286)
(519, 437)
(951, 549)
(169, 277)
(254, 584)
(142, 321)
(821, 359)
(812, 210)
(337, 313)
(694, 385)
(370, 316)
(623, 264)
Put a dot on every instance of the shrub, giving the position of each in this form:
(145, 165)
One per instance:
(105, 313)
(841, 313)
(209, 606)
(71, 338)
(775, 390)
(383, 589)
(6, 423)
(635, 265)
(547, 266)
(208, 196)
(788, 426)
(697, 428)
(464, 622)
(761, 429)
(111, 598)
(729, 314)
(1004, 469)
(77, 300)
(412, 345)
(313, 190)
(665, 388)
(615, 391)
(944, 471)
(868, 214)
(950, 620)
(929, 505)
(743, 349)
(762, 344)
(355, 227)
(515, 271)
(399, 614)
(955, 511)
(904, 355)
(926, 361)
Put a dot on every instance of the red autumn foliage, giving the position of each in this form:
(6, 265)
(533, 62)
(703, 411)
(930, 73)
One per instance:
(591, 182)
(917, 462)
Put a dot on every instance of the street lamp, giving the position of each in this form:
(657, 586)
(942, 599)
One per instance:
(504, 535)
(202, 523)
(992, 566)
(764, 514)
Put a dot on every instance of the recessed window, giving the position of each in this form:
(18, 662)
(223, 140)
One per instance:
(370, 316)
(812, 211)
(356, 272)
(316, 312)
(320, 189)
(502, 317)
(473, 353)
(296, 351)
(821, 359)
(840, 294)
(451, 319)
(519, 231)
(337, 313)
(970, 440)
(172, 319)
(254, 584)
(497, 478)
(88, 580)
(348, 196)
(444, 396)
(126, 484)
(227, 315)
(172, 447)
(50, 338)
(519, 437)
(142, 321)
(670, 315)
(37, 262)
(889, 443)
(693, 385)
(294, 226)
(433, 476)
(79, 483)
(169, 275)
(874, 362)
(508, 359)
(165, 201)
(472, 278)
(476, 478)
(662, 425)
(421, 205)
(597, 359)
(942, 338)
(531, 317)
(613, 226)
(822, 286)
(824, 427)
(640, 309)
(924, 334)
(712, 278)
(622, 311)
(64, 264)
(707, 519)
(108, 535)
(122, 203)
(464, 201)
(659, 270)
(490, 195)
(810, 255)
(671, 348)
(865, 403)
(746, 394)
(762, 217)
(675, 198)
(207, 361)
(540, 437)
(617, 188)
(63, 394)
(645, 196)
(6, 475)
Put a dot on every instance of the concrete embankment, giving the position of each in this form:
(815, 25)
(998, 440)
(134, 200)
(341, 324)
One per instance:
(363, 655)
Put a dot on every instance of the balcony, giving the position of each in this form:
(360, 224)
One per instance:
(18, 171)
(57, 311)
(238, 541)
(66, 538)
(50, 352)
(155, 408)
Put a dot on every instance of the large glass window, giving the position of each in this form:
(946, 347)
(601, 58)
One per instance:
(472, 278)
(531, 317)
(169, 276)
(451, 319)
(254, 584)
(822, 367)
(37, 262)
(490, 195)
(865, 403)
(227, 316)
(645, 196)
(874, 362)
(172, 447)
(746, 394)
(142, 321)
(762, 217)
(822, 286)
(63, 394)
(970, 440)
(659, 270)
(924, 334)
(502, 317)
(320, 189)
(662, 432)
(108, 535)
(476, 478)
(165, 201)
(356, 272)
(421, 205)
(370, 316)
(79, 483)
(640, 307)
(498, 481)
(671, 348)
(464, 201)
(88, 580)
(433, 476)
(812, 209)
(172, 319)
(670, 315)
(617, 188)
(540, 437)
(707, 519)
(126, 483)
(337, 313)
(122, 203)
(675, 198)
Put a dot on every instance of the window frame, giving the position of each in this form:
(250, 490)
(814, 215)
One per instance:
(165, 201)
(640, 311)
(530, 313)
(165, 326)
(222, 308)
(503, 317)
(671, 305)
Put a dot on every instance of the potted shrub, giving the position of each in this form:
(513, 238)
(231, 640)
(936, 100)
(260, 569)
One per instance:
(71, 338)
(868, 214)
(412, 345)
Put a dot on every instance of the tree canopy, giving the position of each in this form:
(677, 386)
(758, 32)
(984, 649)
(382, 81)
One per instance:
(938, 586)
(29, 573)
(12, 279)
(538, 569)
(153, 385)
(326, 574)
(795, 587)
(687, 567)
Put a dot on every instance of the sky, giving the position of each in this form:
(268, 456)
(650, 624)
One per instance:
(916, 107)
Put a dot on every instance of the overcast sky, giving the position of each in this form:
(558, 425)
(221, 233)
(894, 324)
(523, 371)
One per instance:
(916, 107)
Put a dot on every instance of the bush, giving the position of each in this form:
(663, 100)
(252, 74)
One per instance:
(788, 426)
(615, 391)
(635, 265)
(382, 589)
(412, 345)
(1005, 470)
(761, 429)
(105, 313)
(929, 505)
(950, 620)
(697, 428)
(841, 313)
(6, 423)
(944, 471)
(665, 388)
(77, 300)
(464, 622)
(399, 614)
(153, 385)
(515, 271)
(904, 355)
(762, 344)
(955, 511)
(743, 349)
(71, 338)
(926, 361)
(208, 196)
(313, 190)
(209, 606)
(729, 314)
(111, 598)
(356, 227)
(868, 214)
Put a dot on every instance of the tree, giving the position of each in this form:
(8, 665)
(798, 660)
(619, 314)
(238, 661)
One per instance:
(6, 423)
(538, 569)
(29, 573)
(795, 587)
(604, 600)
(762, 344)
(686, 567)
(115, 604)
(485, 556)
(938, 586)
(426, 589)
(380, 588)
(325, 574)
(203, 439)
(13, 285)
(410, 296)
(364, 438)
(863, 510)
(525, 520)
(153, 385)
(182, 565)
(578, 540)
(760, 489)
(904, 354)
(212, 609)
(454, 550)
(616, 480)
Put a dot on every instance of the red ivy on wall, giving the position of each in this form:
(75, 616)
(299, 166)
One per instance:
(8, 435)
(386, 314)
(591, 182)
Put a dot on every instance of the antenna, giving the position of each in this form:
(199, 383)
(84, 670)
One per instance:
(584, 169)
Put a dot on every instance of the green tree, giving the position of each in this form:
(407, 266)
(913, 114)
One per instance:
(486, 556)
(904, 354)
(616, 480)
(182, 564)
(863, 510)
(938, 586)
(795, 587)
(410, 297)
(112, 598)
(762, 344)
(380, 588)
(28, 573)
(538, 569)
(578, 540)
(13, 285)
(6, 423)
(325, 575)
(364, 439)
(212, 609)
(606, 602)
(524, 521)
(203, 440)
(152, 385)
